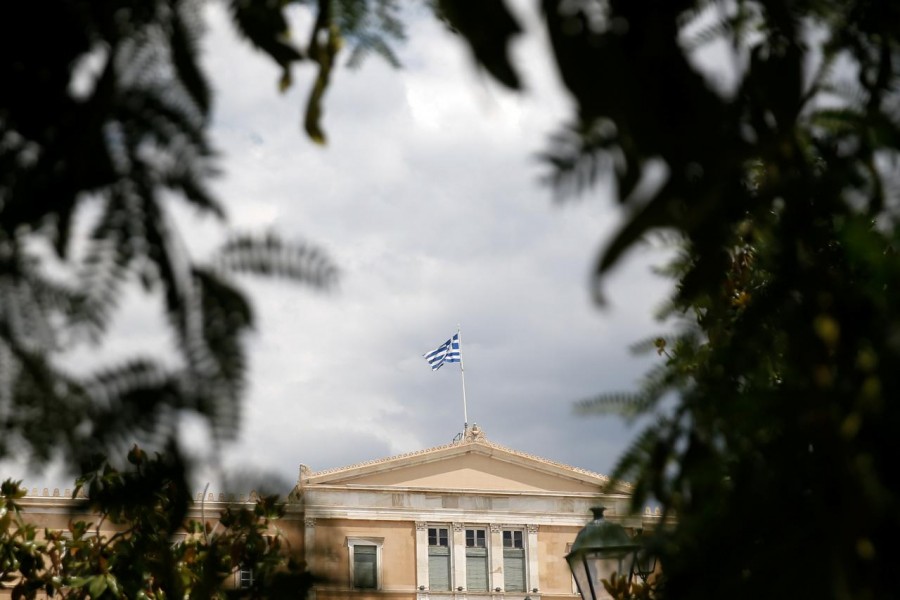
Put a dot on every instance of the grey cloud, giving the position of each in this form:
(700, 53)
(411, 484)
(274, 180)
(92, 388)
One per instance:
(433, 223)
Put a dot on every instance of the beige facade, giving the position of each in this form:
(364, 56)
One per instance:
(495, 523)
(470, 520)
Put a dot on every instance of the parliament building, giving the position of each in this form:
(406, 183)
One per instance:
(469, 520)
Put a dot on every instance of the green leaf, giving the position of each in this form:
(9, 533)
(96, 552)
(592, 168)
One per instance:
(97, 585)
(113, 585)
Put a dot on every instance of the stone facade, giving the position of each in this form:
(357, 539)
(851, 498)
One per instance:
(414, 507)
(469, 520)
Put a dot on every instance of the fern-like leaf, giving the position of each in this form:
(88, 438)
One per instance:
(269, 255)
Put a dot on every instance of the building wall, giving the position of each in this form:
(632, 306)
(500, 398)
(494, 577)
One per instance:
(391, 504)
(399, 520)
(54, 511)
(553, 543)
(331, 553)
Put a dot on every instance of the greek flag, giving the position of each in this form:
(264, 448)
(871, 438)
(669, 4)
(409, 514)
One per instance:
(448, 352)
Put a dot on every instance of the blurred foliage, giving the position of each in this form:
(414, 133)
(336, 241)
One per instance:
(104, 116)
(624, 587)
(773, 128)
(771, 417)
(139, 543)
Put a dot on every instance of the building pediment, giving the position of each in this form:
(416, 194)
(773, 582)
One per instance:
(471, 463)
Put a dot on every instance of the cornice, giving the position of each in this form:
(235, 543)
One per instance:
(337, 488)
(472, 443)
(504, 518)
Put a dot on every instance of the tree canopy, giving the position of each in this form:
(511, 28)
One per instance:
(104, 115)
(772, 429)
(136, 541)
(774, 454)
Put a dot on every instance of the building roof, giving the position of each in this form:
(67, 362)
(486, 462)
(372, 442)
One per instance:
(398, 469)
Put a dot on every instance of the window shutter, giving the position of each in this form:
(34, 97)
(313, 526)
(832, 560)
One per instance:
(476, 569)
(439, 568)
(514, 569)
(364, 567)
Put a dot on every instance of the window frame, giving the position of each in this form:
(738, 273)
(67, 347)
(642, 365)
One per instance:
(447, 539)
(483, 538)
(245, 577)
(378, 542)
(485, 545)
(512, 531)
(242, 582)
(437, 528)
(518, 541)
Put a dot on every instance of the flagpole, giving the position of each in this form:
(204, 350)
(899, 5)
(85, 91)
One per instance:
(462, 370)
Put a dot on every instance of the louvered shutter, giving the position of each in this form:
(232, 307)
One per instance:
(514, 569)
(476, 569)
(439, 568)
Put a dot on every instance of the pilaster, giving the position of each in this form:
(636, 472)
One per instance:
(421, 554)
(459, 555)
(496, 556)
(532, 554)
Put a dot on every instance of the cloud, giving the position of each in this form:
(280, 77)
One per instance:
(427, 196)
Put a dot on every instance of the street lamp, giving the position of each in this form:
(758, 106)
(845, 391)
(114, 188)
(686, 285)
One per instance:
(644, 559)
(600, 550)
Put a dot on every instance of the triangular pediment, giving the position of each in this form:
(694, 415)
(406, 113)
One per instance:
(473, 470)
(473, 464)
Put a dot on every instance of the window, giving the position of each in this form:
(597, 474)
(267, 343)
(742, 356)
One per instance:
(365, 567)
(476, 560)
(438, 536)
(513, 539)
(365, 562)
(475, 538)
(438, 559)
(513, 561)
(245, 578)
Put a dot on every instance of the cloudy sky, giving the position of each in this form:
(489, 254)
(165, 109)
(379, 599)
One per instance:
(427, 196)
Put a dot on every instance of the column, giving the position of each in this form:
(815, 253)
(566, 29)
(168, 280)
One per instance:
(496, 550)
(459, 556)
(309, 544)
(533, 562)
(421, 554)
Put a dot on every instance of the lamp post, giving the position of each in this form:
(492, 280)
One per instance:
(601, 549)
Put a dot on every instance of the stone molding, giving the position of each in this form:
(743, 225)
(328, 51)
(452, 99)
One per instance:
(473, 436)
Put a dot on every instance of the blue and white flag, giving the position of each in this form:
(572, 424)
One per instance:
(448, 352)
